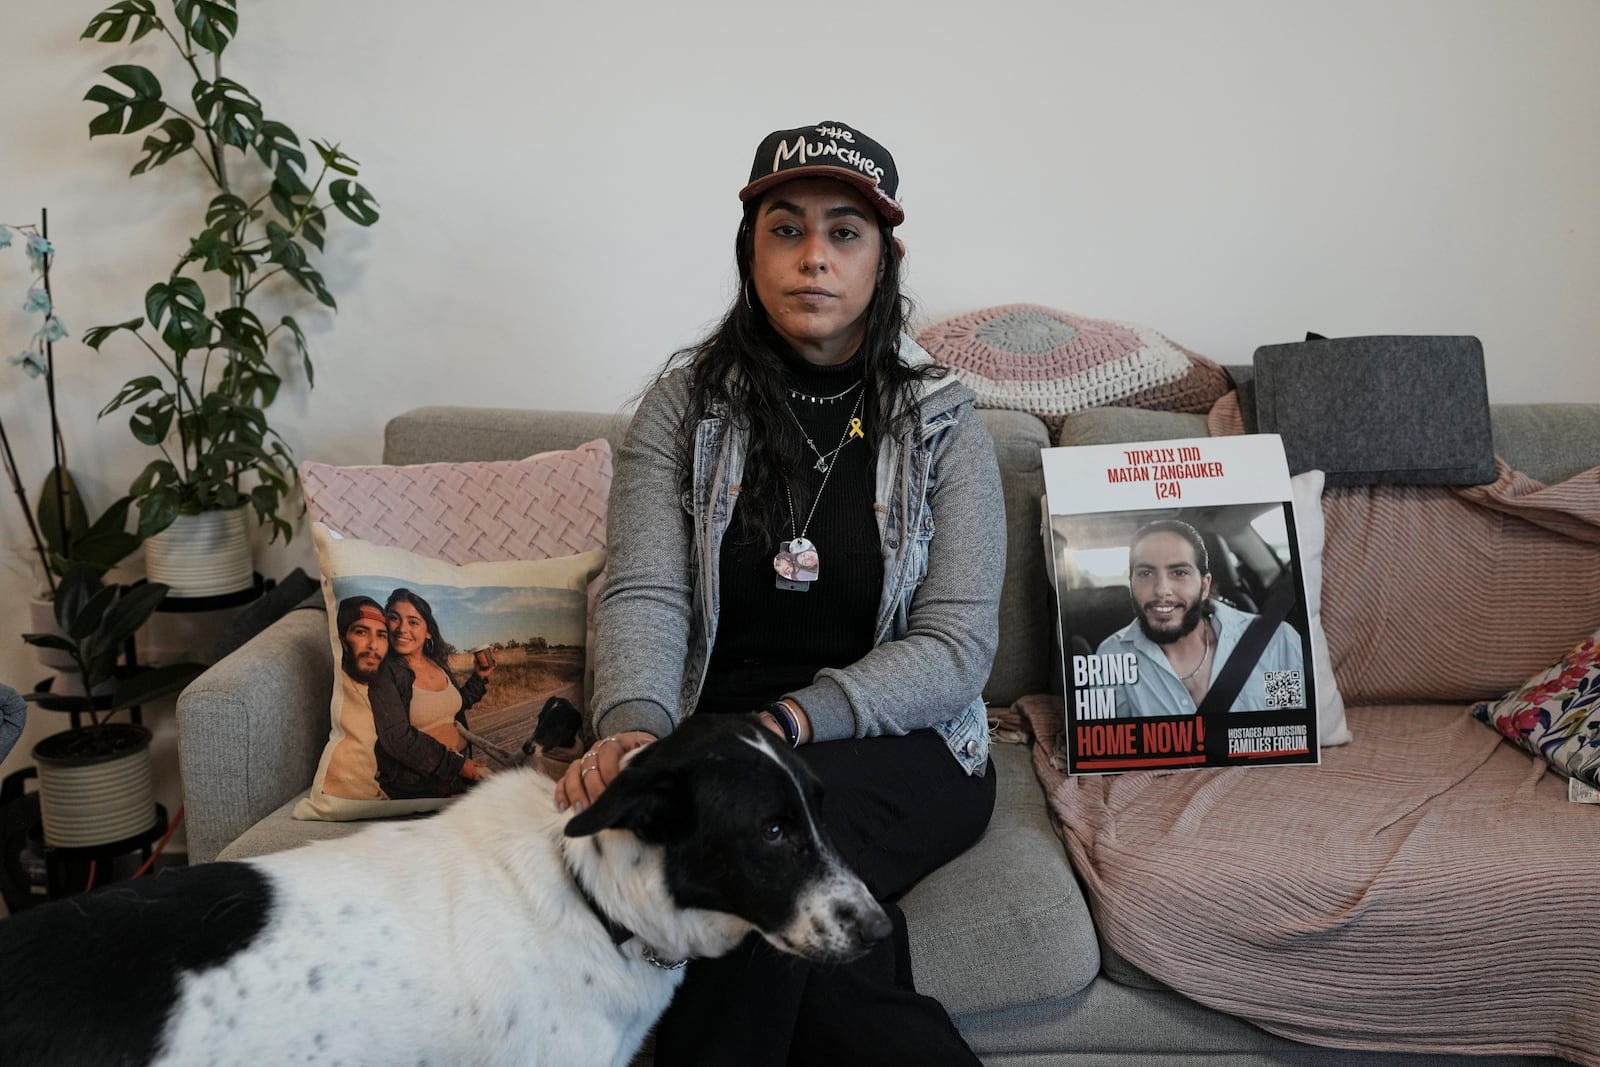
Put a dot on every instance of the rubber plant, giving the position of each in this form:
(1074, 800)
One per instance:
(265, 216)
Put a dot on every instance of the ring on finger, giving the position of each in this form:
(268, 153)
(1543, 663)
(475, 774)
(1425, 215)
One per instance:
(586, 771)
(613, 739)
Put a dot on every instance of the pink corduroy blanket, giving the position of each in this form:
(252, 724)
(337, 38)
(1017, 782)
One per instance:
(1429, 888)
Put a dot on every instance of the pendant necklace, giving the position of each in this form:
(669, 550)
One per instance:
(797, 562)
(853, 430)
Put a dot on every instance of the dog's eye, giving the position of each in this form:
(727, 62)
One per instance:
(772, 833)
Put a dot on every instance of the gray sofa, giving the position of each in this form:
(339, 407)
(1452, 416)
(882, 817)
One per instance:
(1003, 935)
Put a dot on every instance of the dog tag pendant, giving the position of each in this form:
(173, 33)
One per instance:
(796, 564)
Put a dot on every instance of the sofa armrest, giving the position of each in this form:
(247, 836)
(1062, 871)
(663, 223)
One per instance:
(251, 729)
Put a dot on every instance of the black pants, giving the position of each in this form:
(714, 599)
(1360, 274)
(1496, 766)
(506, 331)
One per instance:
(897, 808)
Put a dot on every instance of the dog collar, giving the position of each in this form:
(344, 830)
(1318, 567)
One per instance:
(620, 934)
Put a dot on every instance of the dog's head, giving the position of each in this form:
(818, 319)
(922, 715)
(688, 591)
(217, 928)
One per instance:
(736, 815)
(558, 732)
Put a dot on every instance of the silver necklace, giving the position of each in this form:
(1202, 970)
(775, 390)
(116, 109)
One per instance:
(797, 560)
(824, 462)
(798, 395)
(1205, 651)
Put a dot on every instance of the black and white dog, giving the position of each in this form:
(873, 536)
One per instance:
(499, 931)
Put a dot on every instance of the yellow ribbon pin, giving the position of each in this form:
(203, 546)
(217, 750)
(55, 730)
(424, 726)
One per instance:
(855, 428)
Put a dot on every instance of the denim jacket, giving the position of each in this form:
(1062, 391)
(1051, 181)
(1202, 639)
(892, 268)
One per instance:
(938, 614)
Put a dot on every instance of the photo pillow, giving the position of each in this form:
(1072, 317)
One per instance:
(1556, 715)
(441, 670)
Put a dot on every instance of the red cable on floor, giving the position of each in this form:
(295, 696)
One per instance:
(176, 819)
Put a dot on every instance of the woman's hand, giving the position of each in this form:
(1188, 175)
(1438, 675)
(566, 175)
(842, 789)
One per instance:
(476, 770)
(588, 775)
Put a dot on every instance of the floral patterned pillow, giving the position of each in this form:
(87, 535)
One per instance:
(1556, 715)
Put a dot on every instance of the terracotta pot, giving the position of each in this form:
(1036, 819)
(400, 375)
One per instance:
(202, 555)
(95, 785)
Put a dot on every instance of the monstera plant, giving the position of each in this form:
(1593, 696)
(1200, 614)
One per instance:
(262, 215)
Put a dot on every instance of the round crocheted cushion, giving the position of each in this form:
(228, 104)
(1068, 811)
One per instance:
(1050, 363)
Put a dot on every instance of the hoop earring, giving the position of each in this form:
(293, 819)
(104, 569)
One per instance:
(745, 289)
(427, 646)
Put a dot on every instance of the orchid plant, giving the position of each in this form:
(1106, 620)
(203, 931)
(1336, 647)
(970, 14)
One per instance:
(95, 617)
(59, 527)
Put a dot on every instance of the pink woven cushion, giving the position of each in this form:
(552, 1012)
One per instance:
(1023, 357)
(1457, 595)
(550, 504)
(1556, 715)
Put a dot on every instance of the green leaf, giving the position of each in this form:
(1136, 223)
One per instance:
(334, 159)
(133, 390)
(157, 510)
(353, 199)
(105, 550)
(97, 335)
(211, 23)
(300, 346)
(157, 472)
(240, 330)
(285, 250)
(52, 521)
(126, 113)
(312, 229)
(130, 611)
(227, 211)
(279, 146)
(88, 618)
(182, 303)
(76, 588)
(152, 422)
(230, 109)
(112, 23)
(55, 641)
(180, 136)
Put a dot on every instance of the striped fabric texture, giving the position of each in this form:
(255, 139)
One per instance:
(1049, 363)
(1438, 594)
(547, 505)
(1426, 889)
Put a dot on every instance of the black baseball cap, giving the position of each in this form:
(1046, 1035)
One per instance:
(828, 150)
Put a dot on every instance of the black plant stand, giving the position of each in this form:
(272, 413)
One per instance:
(67, 869)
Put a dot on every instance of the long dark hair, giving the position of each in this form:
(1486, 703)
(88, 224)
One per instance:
(435, 638)
(737, 371)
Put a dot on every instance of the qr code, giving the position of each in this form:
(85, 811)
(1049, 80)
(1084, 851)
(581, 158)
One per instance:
(1285, 689)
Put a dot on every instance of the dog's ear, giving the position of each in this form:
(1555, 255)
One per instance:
(651, 801)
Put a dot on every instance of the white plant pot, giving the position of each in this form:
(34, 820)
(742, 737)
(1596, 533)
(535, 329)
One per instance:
(95, 785)
(202, 555)
(42, 613)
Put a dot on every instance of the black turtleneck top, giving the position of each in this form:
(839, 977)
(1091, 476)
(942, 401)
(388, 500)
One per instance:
(772, 641)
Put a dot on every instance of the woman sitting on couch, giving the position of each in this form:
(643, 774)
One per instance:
(806, 523)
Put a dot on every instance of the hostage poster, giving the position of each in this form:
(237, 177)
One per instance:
(1181, 605)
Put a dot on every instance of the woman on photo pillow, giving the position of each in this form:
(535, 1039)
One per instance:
(415, 702)
(806, 524)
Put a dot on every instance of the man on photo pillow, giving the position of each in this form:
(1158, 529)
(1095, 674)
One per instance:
(364, 635)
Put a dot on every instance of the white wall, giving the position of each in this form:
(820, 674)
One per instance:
(558, 184)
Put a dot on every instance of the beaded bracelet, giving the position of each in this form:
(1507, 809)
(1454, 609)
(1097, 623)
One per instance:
(785, 718)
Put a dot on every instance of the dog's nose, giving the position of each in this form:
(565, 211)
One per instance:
(873, 927)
